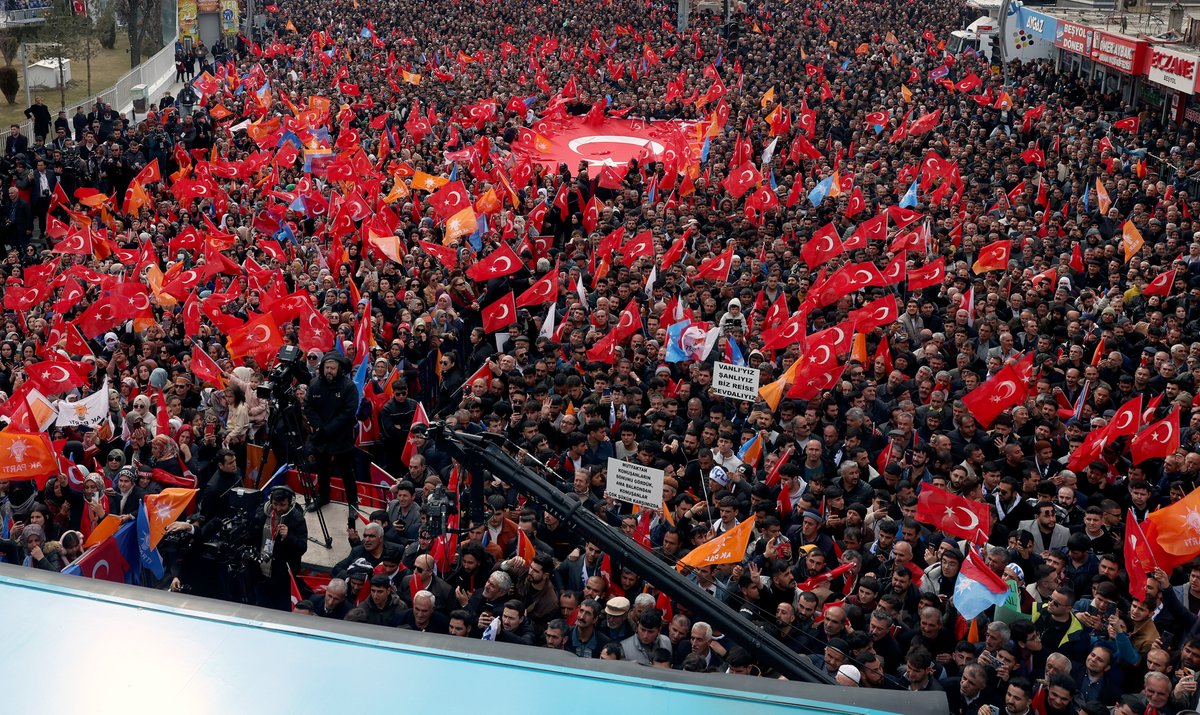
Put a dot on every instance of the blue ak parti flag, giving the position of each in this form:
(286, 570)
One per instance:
(150, 559)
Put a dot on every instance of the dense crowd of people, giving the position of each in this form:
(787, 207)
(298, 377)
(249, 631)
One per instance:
(145, 255)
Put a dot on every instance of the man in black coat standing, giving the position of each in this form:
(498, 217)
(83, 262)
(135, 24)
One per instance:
(331, 408)
(16, 221)
(16, 143)
(40, 114)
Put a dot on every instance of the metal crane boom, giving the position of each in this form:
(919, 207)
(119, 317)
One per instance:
(481, 453)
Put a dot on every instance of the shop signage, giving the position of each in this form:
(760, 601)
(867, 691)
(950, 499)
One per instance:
(1173, 69)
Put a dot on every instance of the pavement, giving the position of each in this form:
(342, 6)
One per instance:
(318, 557)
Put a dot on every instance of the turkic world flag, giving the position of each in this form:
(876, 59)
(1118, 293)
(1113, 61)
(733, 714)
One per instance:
(978, 588)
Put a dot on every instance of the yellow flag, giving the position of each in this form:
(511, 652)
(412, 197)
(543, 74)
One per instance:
(1131, 240)
(767, 98)
(905, 93)
(728, 548)
(411, 77)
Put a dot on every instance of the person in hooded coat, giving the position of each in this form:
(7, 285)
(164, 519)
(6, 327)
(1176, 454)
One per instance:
(331, 408)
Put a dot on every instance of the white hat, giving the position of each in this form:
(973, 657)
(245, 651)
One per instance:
(850, 672)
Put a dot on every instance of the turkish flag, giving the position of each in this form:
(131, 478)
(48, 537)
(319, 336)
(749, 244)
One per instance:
(630, 321)
(993, 257)
(856, 204)
(501, 262)
(877, 313)
(53, 377)
(500, 314)
(741, 180)
(258, 338)
(791, 331)
(777, 313)
(1005, 389)
(448, 200)
(104, 562)
(206, 368)
(1034, 156)
(717, 267)
(674, 253)
(930, 274)
(1156, 441)
(445, 254)
(641, 245)
(1127, 419)
(925, 123)
(901, 216)
(591, 214)
(149, 173)
(605, 350)
(873, 229)
(1139, 559)
(1128, 123)
(544, 290)
(952, 514)
(824, 245)
(1161, 285)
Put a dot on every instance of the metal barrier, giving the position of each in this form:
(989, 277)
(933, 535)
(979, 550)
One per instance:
(27, 16)
(153, 72)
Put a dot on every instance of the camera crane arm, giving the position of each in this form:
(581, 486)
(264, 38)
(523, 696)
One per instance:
(480, 454)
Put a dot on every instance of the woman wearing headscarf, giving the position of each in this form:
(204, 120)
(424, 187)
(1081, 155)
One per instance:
(96, 504)
(125, 497)
(39, 552)
(113, 465)
(164, 455)
(65, 504)
(141, 407)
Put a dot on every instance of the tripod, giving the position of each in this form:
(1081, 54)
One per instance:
(285, 432)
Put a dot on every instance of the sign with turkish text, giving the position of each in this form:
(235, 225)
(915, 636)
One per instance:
(635, 483)
(1073, 38)
(739, 383)
(1118, 51)
(1173, 69)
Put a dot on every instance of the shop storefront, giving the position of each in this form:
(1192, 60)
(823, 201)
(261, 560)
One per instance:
(1074, 43)
(1173, 74)
(1120, 60)
(1109, 60)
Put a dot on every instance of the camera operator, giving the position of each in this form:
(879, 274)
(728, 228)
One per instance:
(284, 537)
(331, 409)
(214, 501)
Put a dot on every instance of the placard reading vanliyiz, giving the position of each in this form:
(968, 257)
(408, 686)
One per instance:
(740, 383)
(635, 483)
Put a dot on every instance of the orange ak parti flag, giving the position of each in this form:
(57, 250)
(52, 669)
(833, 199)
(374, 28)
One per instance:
(1176, 529)
(728, 548)
(164, 508)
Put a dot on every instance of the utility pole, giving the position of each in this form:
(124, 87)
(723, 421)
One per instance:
(25, 73)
